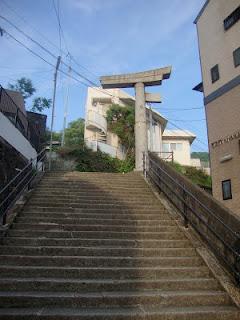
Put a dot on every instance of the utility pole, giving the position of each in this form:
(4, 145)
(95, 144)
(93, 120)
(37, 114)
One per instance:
(66, 107)
(53, 109)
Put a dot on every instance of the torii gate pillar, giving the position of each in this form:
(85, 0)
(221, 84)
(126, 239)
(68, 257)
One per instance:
(139, 81)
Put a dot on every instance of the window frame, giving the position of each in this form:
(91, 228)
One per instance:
(230, 185)
(237, 51)
(213, 69)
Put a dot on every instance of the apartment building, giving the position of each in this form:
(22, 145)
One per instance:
(218, 27)
(164, 142)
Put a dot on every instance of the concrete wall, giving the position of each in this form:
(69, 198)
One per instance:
(14, 137)
(212, 214)
(217, 45)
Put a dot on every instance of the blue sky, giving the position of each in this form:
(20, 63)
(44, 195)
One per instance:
(107, 37)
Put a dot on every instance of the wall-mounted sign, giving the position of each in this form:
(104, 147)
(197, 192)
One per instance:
(219, 142)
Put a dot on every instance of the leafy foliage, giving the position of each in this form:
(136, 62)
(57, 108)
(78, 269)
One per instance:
(74, 134)
(40, 103)
(24, 86)
(90, 161)
(203, 156)
(121, 121)
(197, 176)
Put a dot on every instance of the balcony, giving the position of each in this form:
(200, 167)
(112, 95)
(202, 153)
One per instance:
(96, 122)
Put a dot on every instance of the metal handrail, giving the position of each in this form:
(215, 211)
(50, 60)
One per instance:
(10, 193)
(230, 255)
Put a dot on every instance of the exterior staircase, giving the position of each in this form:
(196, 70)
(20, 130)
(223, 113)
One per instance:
(102, 246)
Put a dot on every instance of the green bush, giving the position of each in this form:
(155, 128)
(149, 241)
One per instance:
(197, 176)
(91, 161)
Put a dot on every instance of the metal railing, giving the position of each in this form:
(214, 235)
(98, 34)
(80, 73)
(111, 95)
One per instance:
(213, 222)
(10, 109)
(22, 181)
(165, 155)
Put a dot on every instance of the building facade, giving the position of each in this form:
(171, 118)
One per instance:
(218, 27)
(164, 142)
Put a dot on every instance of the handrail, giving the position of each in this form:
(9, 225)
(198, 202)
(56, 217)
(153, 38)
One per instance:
(19, 119)
(221, 238)
(10, 193)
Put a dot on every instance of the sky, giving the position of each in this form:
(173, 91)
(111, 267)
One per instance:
(107, 37)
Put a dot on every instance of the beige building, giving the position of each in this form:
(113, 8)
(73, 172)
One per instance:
(218, 26)
(97, 136)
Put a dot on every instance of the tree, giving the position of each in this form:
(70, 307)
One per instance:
(74, 134)
(121, 121)
(24, 86)
(40, 103)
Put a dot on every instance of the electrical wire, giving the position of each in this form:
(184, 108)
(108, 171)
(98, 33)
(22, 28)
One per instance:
(46, 39)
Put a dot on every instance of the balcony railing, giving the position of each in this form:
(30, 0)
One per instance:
(96, 120)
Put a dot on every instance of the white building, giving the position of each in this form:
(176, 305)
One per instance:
(97, 136)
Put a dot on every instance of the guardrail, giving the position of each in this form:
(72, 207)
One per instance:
(22, 181)
(10, 109)
(217, 226)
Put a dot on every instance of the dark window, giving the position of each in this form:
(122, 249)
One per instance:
(215, 73)
(232, 19)
(226, 189)
(236, 57)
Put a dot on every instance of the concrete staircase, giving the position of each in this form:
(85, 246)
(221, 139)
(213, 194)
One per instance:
(102, 246)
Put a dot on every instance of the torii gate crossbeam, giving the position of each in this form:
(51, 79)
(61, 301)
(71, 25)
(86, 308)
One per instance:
(139, 81)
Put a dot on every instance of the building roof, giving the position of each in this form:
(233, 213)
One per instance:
(183, 134)
(17, 99)
(201, 11)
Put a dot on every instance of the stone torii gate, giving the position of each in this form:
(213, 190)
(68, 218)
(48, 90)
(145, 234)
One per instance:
(139, 81)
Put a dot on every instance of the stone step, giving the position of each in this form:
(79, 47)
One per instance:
(109, 204)
(93, 196)
(131, 313)
(90, 220)
(78, 285)
(98, 192)
(104, 261)
(100, 273)
(110, 212)
(124, 243)
(97, 234)
(106, 299)
(97, 251)
(102, 198)
(94, 203)
(91, 227)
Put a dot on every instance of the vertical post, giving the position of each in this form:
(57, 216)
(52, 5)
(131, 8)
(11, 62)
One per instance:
(53, 109)
(151, 128)
(66, 109)
(185, 209)
(140, 126)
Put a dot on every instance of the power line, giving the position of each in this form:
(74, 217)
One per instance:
(46, 39)
(177, 109)
(187, 120)
(65, 73)
(176, 126)
(51, 54)
(59, 24)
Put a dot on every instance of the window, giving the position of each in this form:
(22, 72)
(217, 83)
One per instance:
(166, 147)
(176, 146)
(236, 57)
(232, 19)
(226, 189)
(215, 73)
